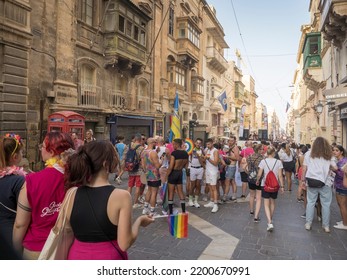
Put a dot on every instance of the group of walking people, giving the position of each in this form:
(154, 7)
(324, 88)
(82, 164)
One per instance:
(101, 215)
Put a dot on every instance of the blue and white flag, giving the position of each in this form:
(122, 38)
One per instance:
(223, 100)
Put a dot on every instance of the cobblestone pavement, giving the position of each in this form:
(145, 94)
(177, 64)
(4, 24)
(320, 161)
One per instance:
(240, 238)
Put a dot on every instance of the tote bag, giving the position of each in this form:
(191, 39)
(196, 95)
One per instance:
(61, 236)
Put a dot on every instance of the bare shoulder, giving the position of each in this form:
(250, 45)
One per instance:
(120, 195)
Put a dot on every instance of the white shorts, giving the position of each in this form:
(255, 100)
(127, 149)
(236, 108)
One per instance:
(196, 173)
(212, 178)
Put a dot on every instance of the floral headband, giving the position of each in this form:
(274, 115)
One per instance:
(16, 138)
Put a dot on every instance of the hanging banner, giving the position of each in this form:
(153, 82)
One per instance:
(242, 120)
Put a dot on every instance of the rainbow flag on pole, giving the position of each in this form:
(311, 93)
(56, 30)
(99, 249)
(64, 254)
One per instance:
(178, 225)
(175, 129)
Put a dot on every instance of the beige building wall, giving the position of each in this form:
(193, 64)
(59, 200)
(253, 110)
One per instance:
(324, 85)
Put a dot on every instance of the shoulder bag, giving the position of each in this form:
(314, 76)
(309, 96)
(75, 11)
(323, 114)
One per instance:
(61, 236)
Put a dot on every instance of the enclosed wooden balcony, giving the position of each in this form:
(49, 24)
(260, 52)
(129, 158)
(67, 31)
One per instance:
(333, 20)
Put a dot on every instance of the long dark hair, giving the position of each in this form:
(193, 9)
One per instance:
(90, 158)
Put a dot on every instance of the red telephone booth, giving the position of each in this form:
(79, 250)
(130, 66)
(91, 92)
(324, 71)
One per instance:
(68, 122)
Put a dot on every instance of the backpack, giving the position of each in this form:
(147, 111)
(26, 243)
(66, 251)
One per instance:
(252, 172)
(132, 161)
(271, 182)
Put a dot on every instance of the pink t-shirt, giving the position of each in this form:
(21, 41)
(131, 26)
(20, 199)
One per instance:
(170, 147)
(247, 152)
(45, 192)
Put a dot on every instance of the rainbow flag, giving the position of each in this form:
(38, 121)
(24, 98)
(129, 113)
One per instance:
(178, 225)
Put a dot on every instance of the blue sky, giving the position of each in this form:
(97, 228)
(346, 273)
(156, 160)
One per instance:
(270, 32)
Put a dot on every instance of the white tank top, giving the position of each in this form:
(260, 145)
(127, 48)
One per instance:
(209, 166)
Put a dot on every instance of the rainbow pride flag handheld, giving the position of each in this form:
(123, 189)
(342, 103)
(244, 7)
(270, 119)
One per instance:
(178, 225)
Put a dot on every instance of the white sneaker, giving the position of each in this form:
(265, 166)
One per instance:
(340, 226)
(210, 204)
(270, 227)
(142, 199)
(215, 208)
(327, 229)
(146, 211)
(308, 226)
(339, 223)
(190, 203)
(196, 204)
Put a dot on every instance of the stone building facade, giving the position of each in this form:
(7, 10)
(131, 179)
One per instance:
(118, 63)
(320, 93)
(15, 44)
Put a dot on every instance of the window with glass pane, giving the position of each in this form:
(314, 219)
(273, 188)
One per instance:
(193, 35)
(136, 33)
(181, 30)
(121, 24)
(87, 11)
(143, 38)
(180, 76)
(171, 21)
(128, 29)
(314, 45)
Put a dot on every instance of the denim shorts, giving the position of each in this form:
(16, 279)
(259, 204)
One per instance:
(341, 192)
(230, 172)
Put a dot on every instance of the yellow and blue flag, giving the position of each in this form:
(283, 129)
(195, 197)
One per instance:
(175, 130)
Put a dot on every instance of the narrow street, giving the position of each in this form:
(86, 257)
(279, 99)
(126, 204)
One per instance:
(231, 234)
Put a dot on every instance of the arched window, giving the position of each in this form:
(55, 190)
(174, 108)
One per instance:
(121, 84)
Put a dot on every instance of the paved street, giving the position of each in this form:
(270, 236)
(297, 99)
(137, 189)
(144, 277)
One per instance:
(231, 234)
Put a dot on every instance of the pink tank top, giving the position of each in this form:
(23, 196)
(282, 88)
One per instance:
(45, 192)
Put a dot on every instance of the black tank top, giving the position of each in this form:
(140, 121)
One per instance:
(82, 220)
(180, 154)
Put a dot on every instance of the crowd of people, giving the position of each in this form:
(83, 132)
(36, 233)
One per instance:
(211, 175)
(101, 215)
(30, 203)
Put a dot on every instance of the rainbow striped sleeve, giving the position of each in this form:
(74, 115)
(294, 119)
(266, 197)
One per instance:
(178, 225)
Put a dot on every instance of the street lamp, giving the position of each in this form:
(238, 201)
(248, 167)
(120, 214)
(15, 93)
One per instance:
(319, 106)
(192, 124)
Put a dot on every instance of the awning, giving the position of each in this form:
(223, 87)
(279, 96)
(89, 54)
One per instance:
(135, 117)
(335, 93)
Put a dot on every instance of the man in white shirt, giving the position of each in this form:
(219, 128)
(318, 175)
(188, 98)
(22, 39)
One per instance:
(196, 173)
(211, 158)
